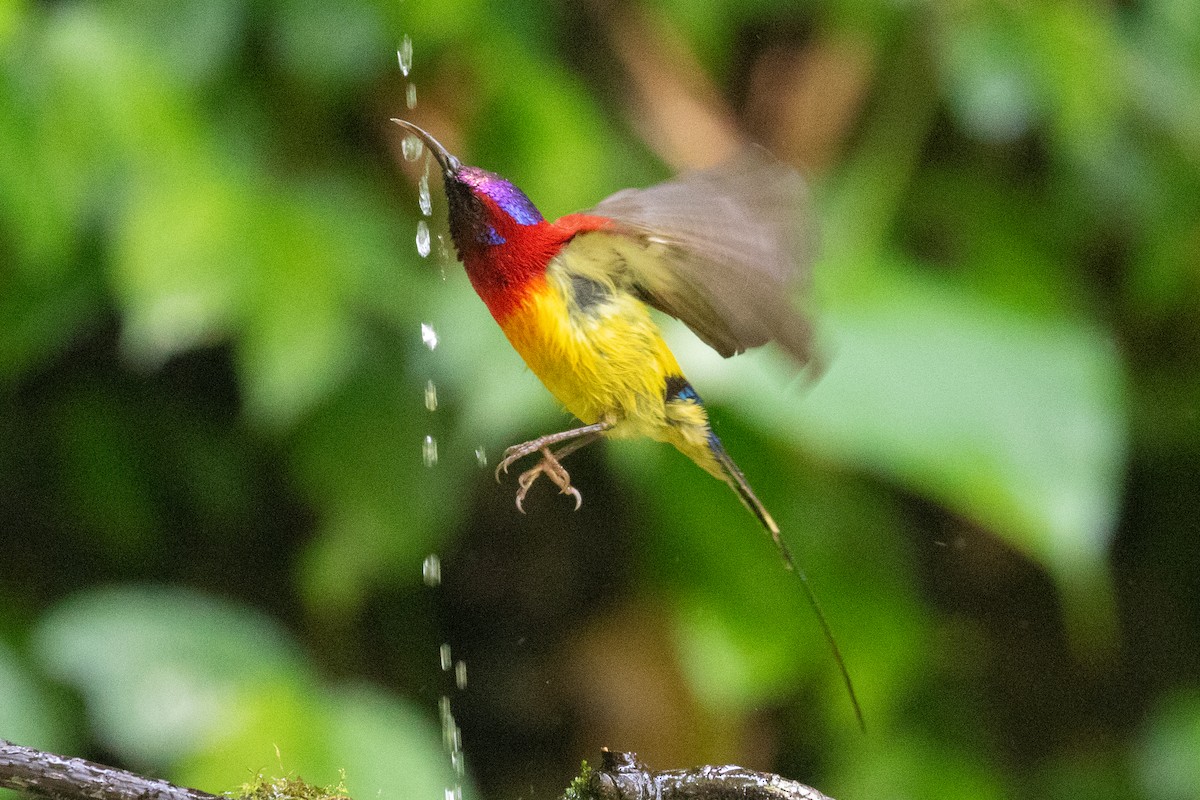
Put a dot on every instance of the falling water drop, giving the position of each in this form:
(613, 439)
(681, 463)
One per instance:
(430, 395)
(451, 735)
(429, 335)
(429, 451)
(444, 657)
(460, 674)
(447, 719)
(423, 238)
(452, 741)
(411, 147)
(423, 198)
(410, 96)
(481, 456)
(404, 55)
(431, 570)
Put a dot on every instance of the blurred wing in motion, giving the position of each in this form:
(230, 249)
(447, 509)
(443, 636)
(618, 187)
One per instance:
(720, 249)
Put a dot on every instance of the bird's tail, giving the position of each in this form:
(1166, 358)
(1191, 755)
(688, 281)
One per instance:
(734, 477)
(737, 481)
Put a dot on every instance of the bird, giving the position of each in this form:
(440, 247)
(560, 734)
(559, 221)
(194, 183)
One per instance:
(720, 249)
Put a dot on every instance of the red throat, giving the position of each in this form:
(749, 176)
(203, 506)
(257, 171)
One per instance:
(505, 274)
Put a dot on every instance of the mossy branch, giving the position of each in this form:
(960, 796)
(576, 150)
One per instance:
(620, 777)
(37, 772)
(46, 775)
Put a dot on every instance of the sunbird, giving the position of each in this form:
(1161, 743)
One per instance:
(719, 249)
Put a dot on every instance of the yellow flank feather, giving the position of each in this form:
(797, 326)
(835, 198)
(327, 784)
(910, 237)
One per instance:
(596, 348)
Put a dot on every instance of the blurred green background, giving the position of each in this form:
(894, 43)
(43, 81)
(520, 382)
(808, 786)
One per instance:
(216, 493)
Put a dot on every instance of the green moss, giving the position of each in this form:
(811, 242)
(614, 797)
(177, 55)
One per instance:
(581, 787)
(288, 789)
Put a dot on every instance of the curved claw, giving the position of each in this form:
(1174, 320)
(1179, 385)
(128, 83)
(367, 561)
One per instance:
(571, 490)
(549, 467)
(525, 481)
(503, 466)
(511, 456)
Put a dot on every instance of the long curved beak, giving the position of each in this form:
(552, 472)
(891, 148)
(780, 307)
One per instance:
(449, 164)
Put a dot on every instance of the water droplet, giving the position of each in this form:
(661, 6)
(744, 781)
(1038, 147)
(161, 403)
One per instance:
(450, 734)
(460, 674)
(444, 657)
(410, 95)
(429, 451)
(423, 238)
(481, 456)
(411, 147)
(429, 335)
(430, 395)
(423, 198)
(404, 55)
(431, 570)
(443, 248)
(452, 742)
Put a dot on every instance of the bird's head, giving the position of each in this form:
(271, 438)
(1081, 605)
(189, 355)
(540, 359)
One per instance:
(485, 209)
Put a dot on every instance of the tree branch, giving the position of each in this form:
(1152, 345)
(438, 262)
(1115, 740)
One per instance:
(58, 778)
(622, 777)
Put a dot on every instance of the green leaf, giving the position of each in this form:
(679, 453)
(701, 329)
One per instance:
(1014, 422)
(182, 269)
(330, 47)
(386, 748)
(744, 632)
(917, 766)
(213, 693)
(164, 672)
(193, 39)
(298, 340)
(28, 716)
(1167, 763)
(360, 460)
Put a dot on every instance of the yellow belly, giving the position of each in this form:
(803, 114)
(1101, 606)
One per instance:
(611, 363)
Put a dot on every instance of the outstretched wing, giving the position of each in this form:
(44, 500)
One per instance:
(721, 249)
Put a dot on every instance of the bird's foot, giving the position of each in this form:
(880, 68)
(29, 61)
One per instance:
(549, 465)
(515, 453)
(553, 470)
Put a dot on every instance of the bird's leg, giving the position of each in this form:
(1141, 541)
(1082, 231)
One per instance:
(519, 451)
(552, 469)
(549, 465)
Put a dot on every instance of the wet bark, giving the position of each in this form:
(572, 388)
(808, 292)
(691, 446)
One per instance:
(55, 777)
(622, 777)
